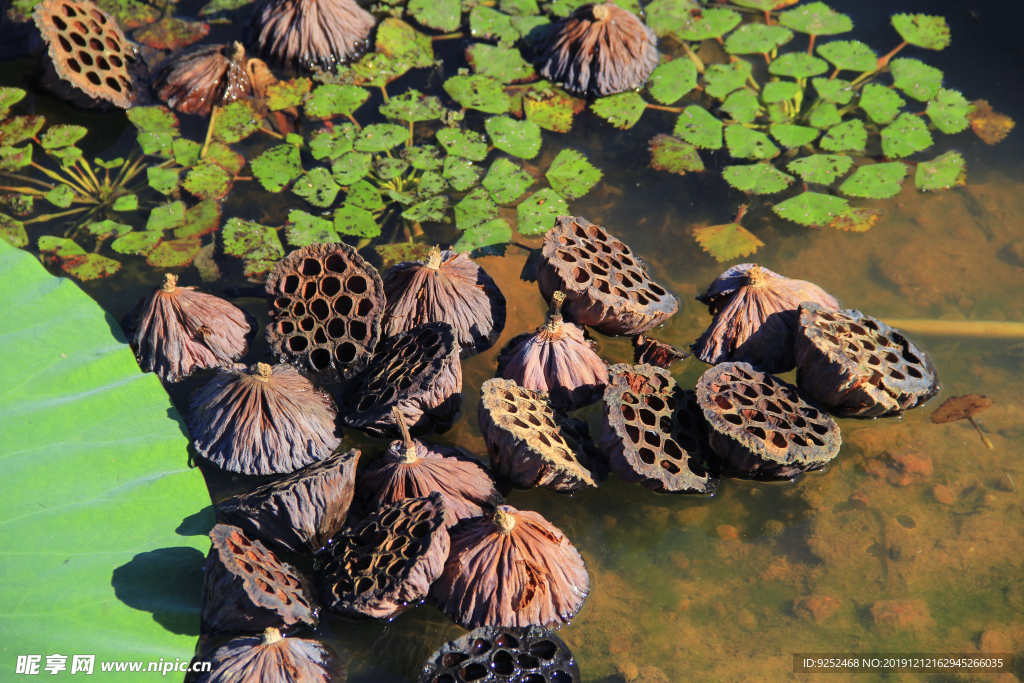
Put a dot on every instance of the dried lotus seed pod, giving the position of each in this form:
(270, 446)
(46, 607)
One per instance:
(491, 654)
(196, 80)
(246, 588)
(387, 562)
(532, 443)
(271, 658)
(605, 285)
(654, 433)
(326, 303)
(854, 365)
(761, 428)
(313, 34)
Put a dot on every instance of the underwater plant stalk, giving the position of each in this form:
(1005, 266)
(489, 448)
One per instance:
(697, 62)
(209, 132)
(981, 434)
(985, 329)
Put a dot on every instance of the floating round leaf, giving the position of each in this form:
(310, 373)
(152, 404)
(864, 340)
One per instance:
(599, 50)
(447, 287)
(270, 658)
(654, 433)
(178, 330)
(606, 287)
(491, 654)
(513, 568)
(246, 588)
(557, 359)
(418, 371)
(195, 81)
(387, 562)
(755, 317)
(653, 352)
(325, 308)
(761, 428)
(533, 443)
(299, 512)
(315, 34)
(264, 420)
(857, 366)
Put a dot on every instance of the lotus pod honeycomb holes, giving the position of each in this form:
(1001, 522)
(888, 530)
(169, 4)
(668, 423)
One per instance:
(326, 304)
(503, 655)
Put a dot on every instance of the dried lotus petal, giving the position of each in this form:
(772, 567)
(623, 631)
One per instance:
(532, 443)
(649, 351)
(386, 562)
(314, 34)
(605, 285)
(654, 433)
(854, 365)
(492, 654)
(270, 658)
(246, 588)
(196, 80)
(302, 511)
(761, 428)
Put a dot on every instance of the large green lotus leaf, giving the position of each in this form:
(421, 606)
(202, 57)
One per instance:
(504, 64)
(875, 181)
(208, 181)
(62, 135)
(698, 127)
(518, 138)
(850, 55)
(571, 175)
(790, 135)
(412, 106)
(745, 143)
(331, 143)
(250, 240)
(443, 15)
(475, 208)
(881, 104)
(235, 122)
(285, 94)
(821, 168)
(811, 208)
(365, 196)
(728, 241)
(352, 220)
(433, 209)
(106, 517)
(461, 173)
(846, 137)
(712, 23)
(304, 229)
(825, 115)
(554, 111)
(675, 156)
(722, 79)
(949, 110)
(762, 178)
(757, 39)
(741, 106)
(488, 23)
(506, 181)
(536, 214)
(905, 136)
(483, 239)
(835, 90)
(622, 110)
(478, 92)
(463, 143)
(277, 167)
(941, 173)
(779, 91)
(798, 65)
(399, 40)
(816, 18)
(670, 16)
(317, 187)
(915, 78)
(922, 30)
(671, 80)
(350, 167)
(332, 99)
(380, 137)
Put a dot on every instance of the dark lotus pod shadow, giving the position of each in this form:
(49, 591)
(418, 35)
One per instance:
(168, 582)
(198, 524)
(772, 344)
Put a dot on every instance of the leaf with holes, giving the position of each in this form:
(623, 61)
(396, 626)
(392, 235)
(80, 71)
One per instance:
(518, 138)
(875, 181)
(671, 80)
(537, 213)
(412, 106)
(250, 240)
(571, 175)
(353, 220)
(483, 93)
(798, 65)
(461, 173)
(331, 143)
(949, 110)
(710, 23)
(13, 231)
(675, 156)
(163, 180)
(166, 217)
(506, 181)
(849, 55)
(880, 103)
(485, 238)
(846, 137)
(433, 210)
(821, 168)
(745, 143)
(792, 136)
(622, 110)
(757, 39)
(474, 209)
(922, 30)
(208, 181)
(286, 94)
(62, 135)
(235, 122)
(351, 167)
(399, 40)
(811, 208)
(61, 196)
(856, 219)
(441, 15)
(722, 79)
(727, 242)
(817, 19)
(915, 78)
(304, 229)
(941, 173)
(365, 196)
(741, 106)
(698, 127)
(317, 187)
(779, 91)
(836, 90)
(463, 143)
(277, 167)
(762, 178)
(555, 111)
(174, 253)
(201, 219)
(905, 136)
(140, 243)
(504, 64)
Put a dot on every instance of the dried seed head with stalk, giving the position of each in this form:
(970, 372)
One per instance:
(200, 78)
(178, 330)
(314, 34)
(599, 50)
(264, 420)
(272, 658)
(558, 359)
(964, 408)
(513, 568)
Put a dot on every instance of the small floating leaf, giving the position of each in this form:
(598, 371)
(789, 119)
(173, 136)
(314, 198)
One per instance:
(208, 181)
(710, 23)
(20, 128)
(12, 231)
(478, 92)
(875, 181)
(215, 6)
(764, 5)
(622, 110)
(463, 143)
(483, 238)
(757, 39)
(762, 178)
(350, 167)
(286, 94)
(352, 220)
(12, 158)
(989, 125)
(474, 209)
(846, 137)
(727, 242)
(487, 23)
(811, 208)
(10, 97)
(412, 106)
(108, 228)
(380, 137)
(571, 175)
(881, 104)
(905, 136)
(303, 229)
(171, 33)
(225, 157)
(817, 19)
(790, 135)
(537, 213)
(433, 209)
(506, 181)
(849, 55)
(399, 40)
(140, 243)
(317, 187)
(779, 91)
(698, 127)
(675, 156)
(949, 110)
(174, 253)
(825, 115)
(836, 90)
(62, 195)
(922, 30)
(741, 106)
(365, 196)
(798, 65)
(554, 112)
(60, 247)
(201, 219)
(856, 219)
(166, 217)
(331, 99)
(277, 167)
(90, 267)
(154, 119)
(504, 64)
(128, 202)
(519, 7)
(163, 180)
(375, 69)
(250, 240)
(424, 157)
(745, 143)
(442, 15)
(518, 138)
(331, 143)
(671, 80)
(62, 135)
(722, 79)
(915, 78)
(666, 17)
(386, 168)
(461, 173)
(941, 173)
(235, 122)
(402, 252)
(186, 152)
(821, 168)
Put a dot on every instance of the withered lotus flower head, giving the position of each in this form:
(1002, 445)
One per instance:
(299, 512)
(447, 287)
(761, 428)
(755, 317)
(271, 658)
(326, 303)
(605, 285)
(410, 468)
(87, 56)
(264, 420)
(654, 433)
(649, 351)
(558, 359)
(196, 80)
(387, 562)
(178, 330)
(491, 654)
(513, 568)
(246, 588)
(418, 372)
(854, 365)
(310, 33)
(599, 50)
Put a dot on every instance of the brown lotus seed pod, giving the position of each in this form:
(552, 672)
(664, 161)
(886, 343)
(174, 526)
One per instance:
(419, 372)
(854, 365)
(491, 654)
(313, 34)
(326, 303)
(447, 287)
(558, 359)
(178, 330)
(387, 562)
(271, 658)
(599, 50)
(511, 569)
(755, 317)
(246, 588)
(264, 420)
(605, 286)
(761, 428)
(647, 350)
(196, 80)
(533, 443)
(87, 56)
(654, 433)
(302, 511)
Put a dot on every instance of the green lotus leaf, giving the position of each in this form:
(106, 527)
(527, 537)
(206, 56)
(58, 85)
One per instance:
(671, 80)
(474, 209)
(61, 196)
(504, 64)
(484, 238)
(174, 253)
(522, 8)
(108, 228)
(350, 167)
(364, 196)
(779, 91)
(875, 181)
(728, 241)
(353, 220)
(488, 23)
(186, 152)
(941, 173)
(399, 40)
(464, 143)
(201, 219)
(12, 231)
(811, 208)
(461, 173)
(622, 110)
(478, 92)
(555, 111)
(425, 157)
(90, 267)
(791, 136)
(849, 55)
(163, 180)
(675, 156)
(762, 178)
(12, 158)
(208, 181)
(850, 136)
(821, 168)
(441, 15)
(949, 110)
(667, 17)
(922, 30)
(304, 229)
(60, 247)
(537, 213)
(235, 122)
(571, 175)
(20, 128)
(506, 181)
(216, 6)
(817, 19)
(745, 143)
(8, 98)
(433, 210)
(335, 100)
(166, 217)
(880, 103)
(905, 136)
(317, 187)
(836, 90)
(250, 240)
(380, 137)
(711, 23)
(140, 243)
(722, 79)
(916, 79)
(62, 135)
(277, 167)
(128, 202)
(518, 138)
(698, 127)
(155, 119)
(798, 65)
(387, 168)
(331, 143)
(431, 183)
(412, 106)
(285, 94)
(757, 39)
(825, 115)
(742, 106)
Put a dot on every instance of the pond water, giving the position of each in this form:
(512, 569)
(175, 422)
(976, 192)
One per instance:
(726, 588)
